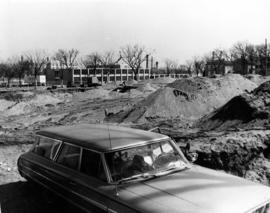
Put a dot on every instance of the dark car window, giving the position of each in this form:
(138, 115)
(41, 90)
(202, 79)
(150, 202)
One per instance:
(92, 165)
(46, 147)
(69, 156)
(151, 158)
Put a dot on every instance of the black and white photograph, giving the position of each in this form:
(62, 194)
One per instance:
(135, 106)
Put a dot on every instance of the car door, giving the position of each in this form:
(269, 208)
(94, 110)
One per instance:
(38, 163)
(66, 166)
(92, 182)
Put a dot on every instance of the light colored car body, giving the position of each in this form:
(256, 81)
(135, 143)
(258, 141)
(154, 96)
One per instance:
(193, 189)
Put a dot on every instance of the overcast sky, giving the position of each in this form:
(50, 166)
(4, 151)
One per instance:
(177, 29)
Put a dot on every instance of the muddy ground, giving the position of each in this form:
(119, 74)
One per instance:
(177, 107)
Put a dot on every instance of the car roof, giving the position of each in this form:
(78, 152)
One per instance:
(101, 137)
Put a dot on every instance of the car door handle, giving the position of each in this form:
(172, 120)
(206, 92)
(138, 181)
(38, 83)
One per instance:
(72, 183)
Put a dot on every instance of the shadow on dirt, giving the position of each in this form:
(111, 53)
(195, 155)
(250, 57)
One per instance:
(25, 197)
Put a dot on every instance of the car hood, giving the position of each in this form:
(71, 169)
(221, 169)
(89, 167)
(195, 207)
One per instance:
(196, 189)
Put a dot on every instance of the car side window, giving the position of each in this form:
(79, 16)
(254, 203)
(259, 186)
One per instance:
(46, 147)
(92, 165)
(69, 156)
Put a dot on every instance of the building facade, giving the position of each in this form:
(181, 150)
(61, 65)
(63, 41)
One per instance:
(217, 67)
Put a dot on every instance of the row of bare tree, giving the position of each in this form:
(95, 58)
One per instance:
(243, 51)
(132, 55)
(35, 62)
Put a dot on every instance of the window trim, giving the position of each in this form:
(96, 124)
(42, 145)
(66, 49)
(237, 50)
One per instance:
(105, 168)
(80, 157)
(37, 140)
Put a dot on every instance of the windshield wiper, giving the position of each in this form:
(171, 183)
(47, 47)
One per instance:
(170, 170)
(136, 177)
(147, 175)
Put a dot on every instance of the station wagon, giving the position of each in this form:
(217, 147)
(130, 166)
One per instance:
(106, 168)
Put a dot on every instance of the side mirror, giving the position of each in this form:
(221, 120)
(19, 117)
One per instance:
(192, 156)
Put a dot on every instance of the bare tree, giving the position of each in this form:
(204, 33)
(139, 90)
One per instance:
(20, 67)
(262, 54)
(198, 65)
(8, 70)
(66, 58)
(244, 52)
(262, 50)
(3, 67)
(170, 65)
(133, 56)
(216, 60)
(189, 66)
(220, 55)
(38, 61)
(109, 59)
(93, 60)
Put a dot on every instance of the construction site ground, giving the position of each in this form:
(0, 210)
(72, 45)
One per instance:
(187, 109)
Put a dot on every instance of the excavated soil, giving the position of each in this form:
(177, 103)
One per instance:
(257, 79)
(246, 111)
(186, 99)
(242, 153)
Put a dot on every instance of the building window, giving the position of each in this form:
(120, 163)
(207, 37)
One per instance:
(56, 73)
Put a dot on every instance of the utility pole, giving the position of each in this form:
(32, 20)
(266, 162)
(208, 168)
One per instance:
(146, 63)
(266, 56)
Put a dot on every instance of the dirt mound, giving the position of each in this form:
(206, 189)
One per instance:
(26, 106)
(244, 111)
(188, 99)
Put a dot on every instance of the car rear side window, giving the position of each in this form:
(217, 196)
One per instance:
(92, 165)
(69, 156)
(46, 147)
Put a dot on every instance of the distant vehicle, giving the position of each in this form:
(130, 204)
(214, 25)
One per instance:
(123, 89)
(113, 169)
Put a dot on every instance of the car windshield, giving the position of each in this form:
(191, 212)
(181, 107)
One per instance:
(145, 161)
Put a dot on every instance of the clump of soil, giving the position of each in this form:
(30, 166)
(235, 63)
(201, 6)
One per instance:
(147, 87)
(27, 106)
(244, 111)
(187, 99)
(257, 79)
(7, 100)
(4, 104)
(242, 153)
(92, 94)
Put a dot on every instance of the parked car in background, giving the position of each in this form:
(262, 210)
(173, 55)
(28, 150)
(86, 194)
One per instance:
(102, 168)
